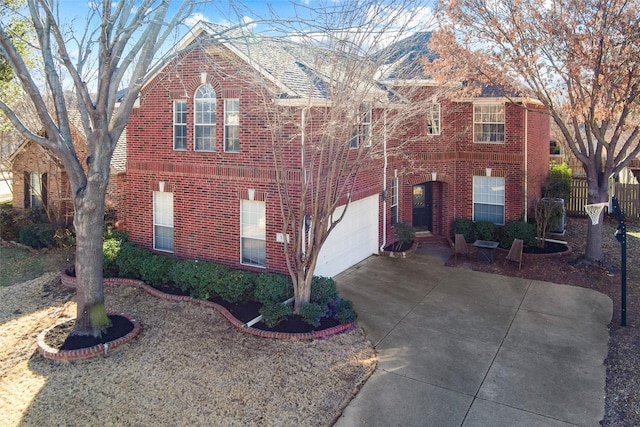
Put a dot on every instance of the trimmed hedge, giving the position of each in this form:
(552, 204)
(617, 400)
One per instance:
(204, 280)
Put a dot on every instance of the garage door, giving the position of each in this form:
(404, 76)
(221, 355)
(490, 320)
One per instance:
(354, 238)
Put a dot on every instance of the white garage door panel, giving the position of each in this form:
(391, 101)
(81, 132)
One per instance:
(353, 239)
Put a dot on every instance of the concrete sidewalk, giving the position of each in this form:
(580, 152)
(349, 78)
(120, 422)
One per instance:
(462, 348)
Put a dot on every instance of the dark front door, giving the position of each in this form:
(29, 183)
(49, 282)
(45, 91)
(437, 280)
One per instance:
(422, 196)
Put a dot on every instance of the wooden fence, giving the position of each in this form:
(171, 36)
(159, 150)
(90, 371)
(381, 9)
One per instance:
(628, 197)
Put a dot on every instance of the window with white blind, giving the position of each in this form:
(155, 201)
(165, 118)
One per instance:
(488, 199)
(163, 221)
(253, 233)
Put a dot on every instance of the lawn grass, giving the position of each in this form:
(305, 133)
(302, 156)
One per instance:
(18, 265)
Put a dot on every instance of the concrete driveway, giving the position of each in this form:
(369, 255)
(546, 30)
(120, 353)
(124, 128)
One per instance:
(462, 348)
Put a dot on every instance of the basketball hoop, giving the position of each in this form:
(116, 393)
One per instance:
(594, 211)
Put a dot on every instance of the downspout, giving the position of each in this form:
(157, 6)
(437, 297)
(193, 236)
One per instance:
(526, 164)
(304, 173)
(384, 183)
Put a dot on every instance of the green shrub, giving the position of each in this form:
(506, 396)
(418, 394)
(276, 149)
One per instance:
(312, 313)
(274, 313)
(110, 251)
(9, 225)
(37, 236)
(130, 259)
(272, 288)
(239, 286)
(323, 290)
(201, 279)
(156, 270)
(404, 233)
(486, 230)
(465, 227)
(558, 183)
(518, 230)
(345, 312)
(112, 233)
(185, 274)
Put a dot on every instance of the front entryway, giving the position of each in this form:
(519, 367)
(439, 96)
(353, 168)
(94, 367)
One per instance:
(422, 206)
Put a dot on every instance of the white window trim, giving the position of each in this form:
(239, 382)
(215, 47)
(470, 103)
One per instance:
(438, 119)
(35, 190)
(503, 122)
(363, 134)
(163, 225)
(186, 142)
(261, 238)
(226, 125)
(394, 199)
(367, 124)
(196, 124)
(504, 195)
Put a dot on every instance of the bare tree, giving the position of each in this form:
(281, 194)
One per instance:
(122, 38)
(580, 59)
(345, 123)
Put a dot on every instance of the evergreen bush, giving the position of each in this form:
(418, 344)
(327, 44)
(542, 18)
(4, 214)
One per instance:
(129, 260)
(238, 286)
(323, 290)
(465, 227)
(518, 230)
(156, 270)
(486, 230)
(274, 313)
(312, 313)
(345, 313)
(272, 288)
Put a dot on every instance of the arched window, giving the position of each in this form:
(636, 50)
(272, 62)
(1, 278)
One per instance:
(205, 119)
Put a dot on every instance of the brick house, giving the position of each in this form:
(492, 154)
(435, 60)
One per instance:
(201, 181)
(39, 179)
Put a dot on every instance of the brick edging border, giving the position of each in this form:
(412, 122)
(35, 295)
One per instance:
(70, 282)
(82, 354)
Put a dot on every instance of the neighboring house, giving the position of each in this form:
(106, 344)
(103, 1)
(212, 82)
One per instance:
(39, 179)
(201, 182)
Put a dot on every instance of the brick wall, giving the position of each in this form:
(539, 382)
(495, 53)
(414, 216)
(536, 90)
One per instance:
(208, 186)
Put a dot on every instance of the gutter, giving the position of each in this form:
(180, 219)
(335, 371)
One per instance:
(384, 184)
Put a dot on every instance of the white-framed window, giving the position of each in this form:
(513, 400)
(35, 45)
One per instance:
(205, 119)
(180, 125)
(433, 119)
(488, 123)
(488, 199)
(253, 233)
(35, 190)
(163, 221)
(232, 125)
(394, 200)
(362, 135)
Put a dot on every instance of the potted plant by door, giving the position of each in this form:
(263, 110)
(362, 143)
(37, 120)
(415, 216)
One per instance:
(404, 245)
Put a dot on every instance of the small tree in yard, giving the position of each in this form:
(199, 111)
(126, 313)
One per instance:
(547, 212)
(121, 38)
(342, 123)
(579, 59)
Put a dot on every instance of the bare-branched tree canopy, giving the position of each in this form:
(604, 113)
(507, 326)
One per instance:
(579, 58)
(113, 52)
(347, 120)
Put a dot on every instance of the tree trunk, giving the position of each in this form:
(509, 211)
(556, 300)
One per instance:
(593, 251)
(89, 222)
(597, 193)
(303, 290)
